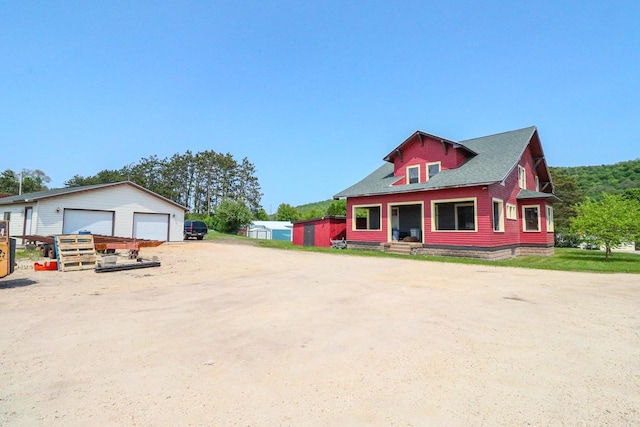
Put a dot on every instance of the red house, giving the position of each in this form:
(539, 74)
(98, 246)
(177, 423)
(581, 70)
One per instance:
(488, 197)
(319, 231)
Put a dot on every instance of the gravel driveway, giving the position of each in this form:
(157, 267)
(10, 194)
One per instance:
(225, 334)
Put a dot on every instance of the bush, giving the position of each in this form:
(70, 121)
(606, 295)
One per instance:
(230, 216)
(567, 240)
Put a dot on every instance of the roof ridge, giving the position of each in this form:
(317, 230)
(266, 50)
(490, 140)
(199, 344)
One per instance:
(498, 134)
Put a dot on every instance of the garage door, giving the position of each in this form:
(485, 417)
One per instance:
(151, 226)
(96, 222)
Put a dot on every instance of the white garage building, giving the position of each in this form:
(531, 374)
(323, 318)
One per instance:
(121, 209)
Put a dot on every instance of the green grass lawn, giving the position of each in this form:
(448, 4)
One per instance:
(565, 259)
(28, 254)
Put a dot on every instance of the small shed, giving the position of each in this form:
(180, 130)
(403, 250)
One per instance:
(270, 230)
(319, 231)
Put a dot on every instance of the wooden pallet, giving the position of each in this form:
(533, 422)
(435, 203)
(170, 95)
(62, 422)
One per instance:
(75, 252)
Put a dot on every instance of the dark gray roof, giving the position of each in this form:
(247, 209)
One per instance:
(56, 192)
(528, 194)
(496, 157)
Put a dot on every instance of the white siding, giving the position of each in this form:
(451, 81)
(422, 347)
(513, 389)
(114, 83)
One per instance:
(123, 199)
(16, 223)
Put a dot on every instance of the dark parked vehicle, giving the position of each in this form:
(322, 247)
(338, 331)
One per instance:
(197, 229)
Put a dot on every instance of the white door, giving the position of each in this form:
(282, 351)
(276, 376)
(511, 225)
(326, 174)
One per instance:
(151, 226)
(28, 214)
(95, 222)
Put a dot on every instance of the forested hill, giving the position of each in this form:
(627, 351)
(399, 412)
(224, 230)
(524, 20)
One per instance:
(595, 180)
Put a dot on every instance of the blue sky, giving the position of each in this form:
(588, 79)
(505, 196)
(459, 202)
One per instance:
(314, 93)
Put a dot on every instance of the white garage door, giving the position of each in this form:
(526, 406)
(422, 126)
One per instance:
(96, 222)
(151, 226)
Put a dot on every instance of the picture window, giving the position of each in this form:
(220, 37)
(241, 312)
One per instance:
(367, 217)
(455, 216)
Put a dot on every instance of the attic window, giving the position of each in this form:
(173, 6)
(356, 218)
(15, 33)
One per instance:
(413, 174)
(432, 169)
(522, 177)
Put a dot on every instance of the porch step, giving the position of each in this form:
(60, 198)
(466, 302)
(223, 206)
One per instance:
(402, 248)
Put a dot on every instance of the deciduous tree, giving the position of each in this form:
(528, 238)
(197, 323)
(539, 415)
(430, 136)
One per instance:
(32, 180)
(338, 208)
(230, 215)
(286, 212)
(609, 222)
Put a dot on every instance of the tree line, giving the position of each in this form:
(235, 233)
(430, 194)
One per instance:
(589, 215)
(25, 181)
(226, 193)
(594, 181)
(200, 181)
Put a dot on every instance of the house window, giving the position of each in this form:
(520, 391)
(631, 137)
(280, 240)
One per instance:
(413, 174)
(7, 216)
(367, 217)
(531, 218)
(432, 169)
(550, 226)
(458, 215)
(512, 211)
(498, 215)
(522, 177)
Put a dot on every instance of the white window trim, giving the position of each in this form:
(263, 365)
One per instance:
(353, 216)
(522, 177)
(502, 215)
(470, 201)
(549, 215)
(524, 219)
(427, 169)
(408, 174)
(537, 183)
(512, 211)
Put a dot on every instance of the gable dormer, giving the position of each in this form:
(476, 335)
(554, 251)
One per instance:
(423, 155)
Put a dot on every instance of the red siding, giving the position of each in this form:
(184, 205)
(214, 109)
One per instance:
(298, 233)
(432, 151)
(483, 236)
(510, 191)
(325, 230)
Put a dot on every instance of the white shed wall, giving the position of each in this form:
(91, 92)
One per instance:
(16, 223)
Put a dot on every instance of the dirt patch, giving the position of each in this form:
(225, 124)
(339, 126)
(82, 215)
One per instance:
(227, 334)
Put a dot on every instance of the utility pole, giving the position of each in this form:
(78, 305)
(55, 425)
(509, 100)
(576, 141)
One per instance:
(20, 185)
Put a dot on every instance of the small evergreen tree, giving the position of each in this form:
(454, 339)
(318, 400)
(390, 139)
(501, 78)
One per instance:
(566, 187)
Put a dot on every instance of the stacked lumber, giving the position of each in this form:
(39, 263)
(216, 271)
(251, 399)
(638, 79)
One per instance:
(75, 252)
